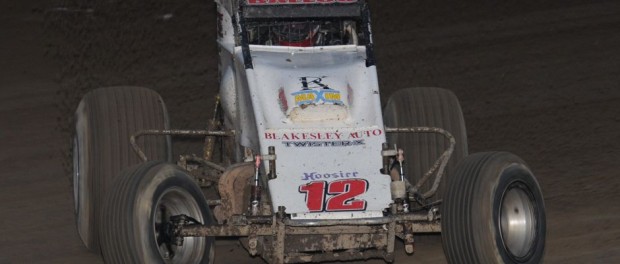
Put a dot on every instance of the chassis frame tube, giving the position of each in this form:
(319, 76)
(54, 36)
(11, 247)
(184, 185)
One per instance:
(173, 132)
(422, 223)
(268, 230)
(280, 228)
(440, 164)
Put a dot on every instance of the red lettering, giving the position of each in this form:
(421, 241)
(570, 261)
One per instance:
(322, 135)
(345, 192)
(342, 192)
(270, 135)
(315, 195)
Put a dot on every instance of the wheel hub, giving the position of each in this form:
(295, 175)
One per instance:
(518, 220)
(173, 208)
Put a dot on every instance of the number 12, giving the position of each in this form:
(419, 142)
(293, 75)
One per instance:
(341, 194)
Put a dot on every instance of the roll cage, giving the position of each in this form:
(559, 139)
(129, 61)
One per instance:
(345, 22)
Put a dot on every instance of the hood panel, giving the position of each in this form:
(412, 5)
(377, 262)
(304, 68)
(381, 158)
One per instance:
(329, 167)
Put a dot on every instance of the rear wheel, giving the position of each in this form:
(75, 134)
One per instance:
(430, 107)
(137, 211)
(493, 212)
(105, 119)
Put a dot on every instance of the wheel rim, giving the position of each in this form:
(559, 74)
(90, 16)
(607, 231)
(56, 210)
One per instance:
(518, 220)
(177, 201)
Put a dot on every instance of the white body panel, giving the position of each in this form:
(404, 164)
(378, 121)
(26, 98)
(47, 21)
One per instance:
(320, 108)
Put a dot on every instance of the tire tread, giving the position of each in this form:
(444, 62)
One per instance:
(466, 239)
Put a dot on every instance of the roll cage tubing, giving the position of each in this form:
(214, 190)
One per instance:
(359, 10)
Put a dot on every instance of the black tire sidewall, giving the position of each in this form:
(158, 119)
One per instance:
(511, 175)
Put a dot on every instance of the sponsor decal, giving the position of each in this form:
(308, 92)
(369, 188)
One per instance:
(312, 176)
(288, 2)
(336, 196)
(324, 139)
(314, 144)
(324, 135)
(314, 91)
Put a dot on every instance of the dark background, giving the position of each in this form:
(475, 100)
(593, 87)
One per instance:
(537, 78)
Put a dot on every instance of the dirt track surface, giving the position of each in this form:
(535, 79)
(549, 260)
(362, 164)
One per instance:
(537, 78)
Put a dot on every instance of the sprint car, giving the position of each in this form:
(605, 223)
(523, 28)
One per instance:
(300, 161)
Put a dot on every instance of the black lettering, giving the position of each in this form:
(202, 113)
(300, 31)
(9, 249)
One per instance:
(315, 144)
(358, 142)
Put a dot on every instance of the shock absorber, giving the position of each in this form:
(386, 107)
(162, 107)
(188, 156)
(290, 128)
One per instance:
(398, 186)
(401, 158)
(256, 188)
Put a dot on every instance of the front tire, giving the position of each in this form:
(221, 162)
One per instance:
(493, 212)
(138, 206)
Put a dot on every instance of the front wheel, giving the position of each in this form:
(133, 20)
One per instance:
(493, 212)
(138, 209)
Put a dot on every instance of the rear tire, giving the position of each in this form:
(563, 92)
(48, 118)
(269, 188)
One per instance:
(431, 107)
(493, 212)
(105, 119)
(140, 201)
